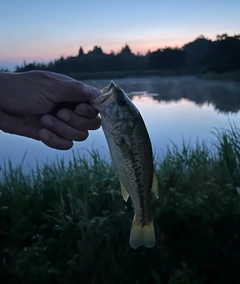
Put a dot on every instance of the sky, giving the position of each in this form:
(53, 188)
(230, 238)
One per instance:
(44, 30)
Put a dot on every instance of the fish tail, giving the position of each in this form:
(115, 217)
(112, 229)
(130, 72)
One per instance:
(142, 235)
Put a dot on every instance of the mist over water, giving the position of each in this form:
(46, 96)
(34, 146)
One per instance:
(173, 108)
(223, 95)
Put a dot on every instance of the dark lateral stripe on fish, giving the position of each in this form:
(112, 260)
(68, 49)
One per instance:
(143, 219)
(138, 173)
(134, 162)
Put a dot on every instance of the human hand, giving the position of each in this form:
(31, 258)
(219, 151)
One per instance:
(46, 106)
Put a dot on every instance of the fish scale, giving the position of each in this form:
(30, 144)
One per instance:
(131, 152)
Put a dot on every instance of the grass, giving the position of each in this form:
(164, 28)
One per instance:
(69, 224)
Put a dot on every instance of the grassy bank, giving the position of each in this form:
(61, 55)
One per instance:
(69, 224)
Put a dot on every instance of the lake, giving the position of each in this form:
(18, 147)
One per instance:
(173, 108)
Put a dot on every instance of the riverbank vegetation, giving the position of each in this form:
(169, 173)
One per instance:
(69, 223)
(198, 57)
(228, 76)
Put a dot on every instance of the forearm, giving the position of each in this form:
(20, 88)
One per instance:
(4, 83)
(8, 87)
(4, 94)
(15, 90)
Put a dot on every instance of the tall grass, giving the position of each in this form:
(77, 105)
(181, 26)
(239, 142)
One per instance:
(69, 223)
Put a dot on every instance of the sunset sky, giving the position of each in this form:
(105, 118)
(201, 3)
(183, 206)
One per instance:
(45, 30)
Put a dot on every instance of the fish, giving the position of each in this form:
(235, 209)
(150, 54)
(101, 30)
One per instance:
(131, 152)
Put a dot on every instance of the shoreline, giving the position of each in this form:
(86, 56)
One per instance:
(228, 76)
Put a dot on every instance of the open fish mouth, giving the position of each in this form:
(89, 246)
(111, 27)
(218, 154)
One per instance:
(105, 99)
(101, 102)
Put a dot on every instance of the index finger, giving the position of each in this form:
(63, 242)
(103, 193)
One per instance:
(84, 109)
(73, 91)
(76, 91)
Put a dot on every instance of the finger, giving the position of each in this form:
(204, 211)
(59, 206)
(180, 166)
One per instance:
(86, 110)
(47, 74)
(79, 122)
(52, 140)
(63, 129)
(74, 91)
(67, 88)
(58, 75)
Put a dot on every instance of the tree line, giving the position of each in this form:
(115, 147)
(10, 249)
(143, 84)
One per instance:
(201, 55)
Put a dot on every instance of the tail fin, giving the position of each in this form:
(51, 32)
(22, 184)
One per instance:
(142, 235)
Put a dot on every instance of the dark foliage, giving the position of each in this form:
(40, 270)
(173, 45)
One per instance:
(69, 223)
(202, 55)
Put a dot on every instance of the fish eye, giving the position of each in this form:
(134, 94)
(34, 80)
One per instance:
(121, 101)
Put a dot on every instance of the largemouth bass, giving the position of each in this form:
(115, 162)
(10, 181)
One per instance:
(131, 152)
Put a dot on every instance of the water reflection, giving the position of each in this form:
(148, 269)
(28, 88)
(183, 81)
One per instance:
(172, 109)
(224, 96)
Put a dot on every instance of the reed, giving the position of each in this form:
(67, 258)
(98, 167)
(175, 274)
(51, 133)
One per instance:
(68, 223)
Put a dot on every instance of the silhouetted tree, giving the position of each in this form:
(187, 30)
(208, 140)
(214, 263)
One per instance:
(126, 50)
(167, 59)
(80, 52)
(196, 50)
(96, 51)
(221, 55)
(222, 37)
(224, 55)
(201, 37)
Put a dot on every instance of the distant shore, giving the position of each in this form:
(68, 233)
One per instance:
(229, 76)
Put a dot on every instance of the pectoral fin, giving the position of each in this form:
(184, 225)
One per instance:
(155, 185)
(124, 192)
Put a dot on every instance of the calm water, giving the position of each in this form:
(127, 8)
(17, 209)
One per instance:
(172, 108)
